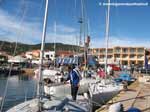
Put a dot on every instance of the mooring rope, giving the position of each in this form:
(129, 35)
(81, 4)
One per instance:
(11, 66)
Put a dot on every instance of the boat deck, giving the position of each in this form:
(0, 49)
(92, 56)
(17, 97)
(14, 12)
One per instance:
(57, 105)
(137, 95)
(80, 105)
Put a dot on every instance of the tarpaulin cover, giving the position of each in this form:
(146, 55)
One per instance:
(133, 109)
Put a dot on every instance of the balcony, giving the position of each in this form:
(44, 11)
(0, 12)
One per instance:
(101, 60)
(140, 57)
(132, 50)
(117, 51)
(125, 58)
(102, 51)
(133, 57)
(125, 50)
(140, 50)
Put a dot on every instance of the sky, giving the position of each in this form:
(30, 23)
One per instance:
(22, 21)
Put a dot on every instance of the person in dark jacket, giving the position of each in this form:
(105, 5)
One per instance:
(74, 77)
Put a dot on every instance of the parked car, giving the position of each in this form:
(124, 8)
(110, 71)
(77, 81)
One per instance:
(115, 67)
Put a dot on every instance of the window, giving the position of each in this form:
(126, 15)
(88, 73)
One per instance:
(141, 50)
(47, 56)
(132, 56)
(125, 50)
(140, 56)
(110, 51)
(117, 50)
(132, 50)
(117, 56)
(125, 56)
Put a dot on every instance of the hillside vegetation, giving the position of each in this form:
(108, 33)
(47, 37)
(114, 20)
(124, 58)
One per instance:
(9, 47)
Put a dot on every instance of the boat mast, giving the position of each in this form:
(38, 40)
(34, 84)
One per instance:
(55, 31)
(82, 30)
(40, 85)
(107, 35)
(55, 34)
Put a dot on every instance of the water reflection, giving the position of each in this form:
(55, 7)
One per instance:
(20, 88)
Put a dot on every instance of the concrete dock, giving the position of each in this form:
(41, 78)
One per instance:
(137, 95)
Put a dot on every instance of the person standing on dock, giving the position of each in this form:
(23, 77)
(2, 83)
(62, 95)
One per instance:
(101, 73)
(132, 69)
(74, 76)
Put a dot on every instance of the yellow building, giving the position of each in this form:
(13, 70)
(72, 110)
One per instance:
(122, 55)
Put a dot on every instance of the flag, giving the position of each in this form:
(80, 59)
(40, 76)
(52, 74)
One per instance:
(88, 40)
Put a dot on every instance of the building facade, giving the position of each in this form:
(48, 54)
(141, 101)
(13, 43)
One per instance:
(121, 55)
(49, 55)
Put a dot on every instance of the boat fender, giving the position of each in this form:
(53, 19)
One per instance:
(86, 95)
(66, 109)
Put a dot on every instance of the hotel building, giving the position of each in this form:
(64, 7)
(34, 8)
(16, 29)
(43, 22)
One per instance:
(121, 55)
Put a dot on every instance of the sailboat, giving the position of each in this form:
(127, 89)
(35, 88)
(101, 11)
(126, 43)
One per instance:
(41, 104)
(104, 90)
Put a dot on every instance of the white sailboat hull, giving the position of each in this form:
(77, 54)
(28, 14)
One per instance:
(65, 89)
(48, 73)
(53, 106)
(26, 106)
(103, 97)
(100, 94)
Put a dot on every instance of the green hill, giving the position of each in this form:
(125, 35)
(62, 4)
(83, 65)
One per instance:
(9, 47)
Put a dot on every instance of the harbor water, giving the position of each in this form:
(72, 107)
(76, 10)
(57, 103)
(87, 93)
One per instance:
(20, 88)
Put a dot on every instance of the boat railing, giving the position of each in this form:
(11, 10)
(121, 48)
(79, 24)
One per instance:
(55, 84)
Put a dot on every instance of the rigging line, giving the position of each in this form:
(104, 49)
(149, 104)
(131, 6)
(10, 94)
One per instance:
(82, 21)
(88, 27)
(6, 87)
(75, 10)
(84, 31)
(38, 15)
(40, 10)
(26, 89)
(117, 20)
(88, 32)
(76, 35)
(85, 19)
(16, 15)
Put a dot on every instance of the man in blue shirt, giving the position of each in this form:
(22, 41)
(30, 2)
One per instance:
(74, 77)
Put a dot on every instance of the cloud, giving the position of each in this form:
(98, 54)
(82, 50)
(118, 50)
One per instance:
(67, 29)
(15, 29)
(120, 41)
(30, 32)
